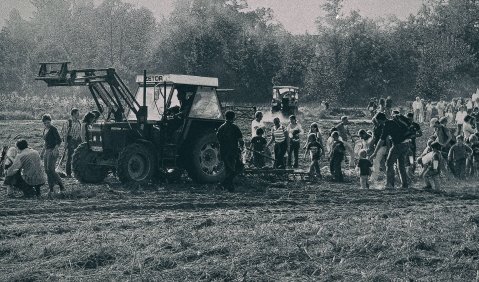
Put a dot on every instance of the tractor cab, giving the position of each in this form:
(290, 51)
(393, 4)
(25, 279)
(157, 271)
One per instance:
(285, 99)
(177, 97)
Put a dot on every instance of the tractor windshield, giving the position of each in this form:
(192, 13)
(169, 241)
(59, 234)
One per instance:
(155, 108)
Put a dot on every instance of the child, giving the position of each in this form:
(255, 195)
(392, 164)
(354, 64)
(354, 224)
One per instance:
(336, 157)
(458, 155)
(314, 128)
(258, 144)
(364, 165)
(316, 150)
(432, 166)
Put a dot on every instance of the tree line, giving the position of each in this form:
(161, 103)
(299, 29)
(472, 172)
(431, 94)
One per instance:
(432, 54)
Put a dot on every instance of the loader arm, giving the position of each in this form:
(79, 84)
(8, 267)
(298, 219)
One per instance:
(106, 87)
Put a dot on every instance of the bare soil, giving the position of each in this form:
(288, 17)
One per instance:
(268, 230)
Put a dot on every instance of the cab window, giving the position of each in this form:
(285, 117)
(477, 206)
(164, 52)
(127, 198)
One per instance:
(206, 104)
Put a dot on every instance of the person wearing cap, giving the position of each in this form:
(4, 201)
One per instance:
(343, 130)
(231, 141)
(397, 153)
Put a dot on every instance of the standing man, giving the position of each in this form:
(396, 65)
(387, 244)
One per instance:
(417, 108)
(294, 131)
(279, 135)
(441, 106)
(416, 128)
(343, 131)
(397, 153)
(231, 142)
(71, 133)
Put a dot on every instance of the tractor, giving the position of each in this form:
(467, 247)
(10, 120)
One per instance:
(285, 100)
(166, 127)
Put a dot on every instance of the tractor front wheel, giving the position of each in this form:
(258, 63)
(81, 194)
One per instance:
(206, 166)
(84, 168)
(136, 164)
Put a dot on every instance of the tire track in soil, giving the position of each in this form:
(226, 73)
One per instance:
(207, 203)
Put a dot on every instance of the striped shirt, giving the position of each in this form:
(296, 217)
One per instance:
(75, 131)
(29, 163)
(278, 134)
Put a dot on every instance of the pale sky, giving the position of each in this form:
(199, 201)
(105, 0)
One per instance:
(297, 16)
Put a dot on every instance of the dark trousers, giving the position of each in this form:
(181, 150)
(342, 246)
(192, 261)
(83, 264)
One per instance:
(232, 163)
(293, 152)
(335, 168)
(460, 168)
(314, 168)
(397, 155)
(71, 146)
(49, 162)
(28, 190)
(279, 152)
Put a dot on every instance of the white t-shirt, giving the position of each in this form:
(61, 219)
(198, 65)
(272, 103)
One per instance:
(417, 105)
(460, 117)
(292, 127)
(255, 125)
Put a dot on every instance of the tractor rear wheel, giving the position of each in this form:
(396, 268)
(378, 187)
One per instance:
(136, 163)
(84, 168)
(206, 166)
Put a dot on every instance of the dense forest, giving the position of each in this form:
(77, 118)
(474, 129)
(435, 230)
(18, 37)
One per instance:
(433, 54)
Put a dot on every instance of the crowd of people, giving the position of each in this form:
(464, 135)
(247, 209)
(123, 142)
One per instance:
(389, 146)
(23, 165)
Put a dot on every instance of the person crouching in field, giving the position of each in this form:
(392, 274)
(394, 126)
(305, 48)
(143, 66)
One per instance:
(432, 163)
(26, 172)
(336, 157)
(364, 165)
(315, 150)
(258, 145)
(458, 155)
(50, 153)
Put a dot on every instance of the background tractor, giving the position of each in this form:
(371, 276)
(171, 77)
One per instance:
(166, 127)
(285, 100)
